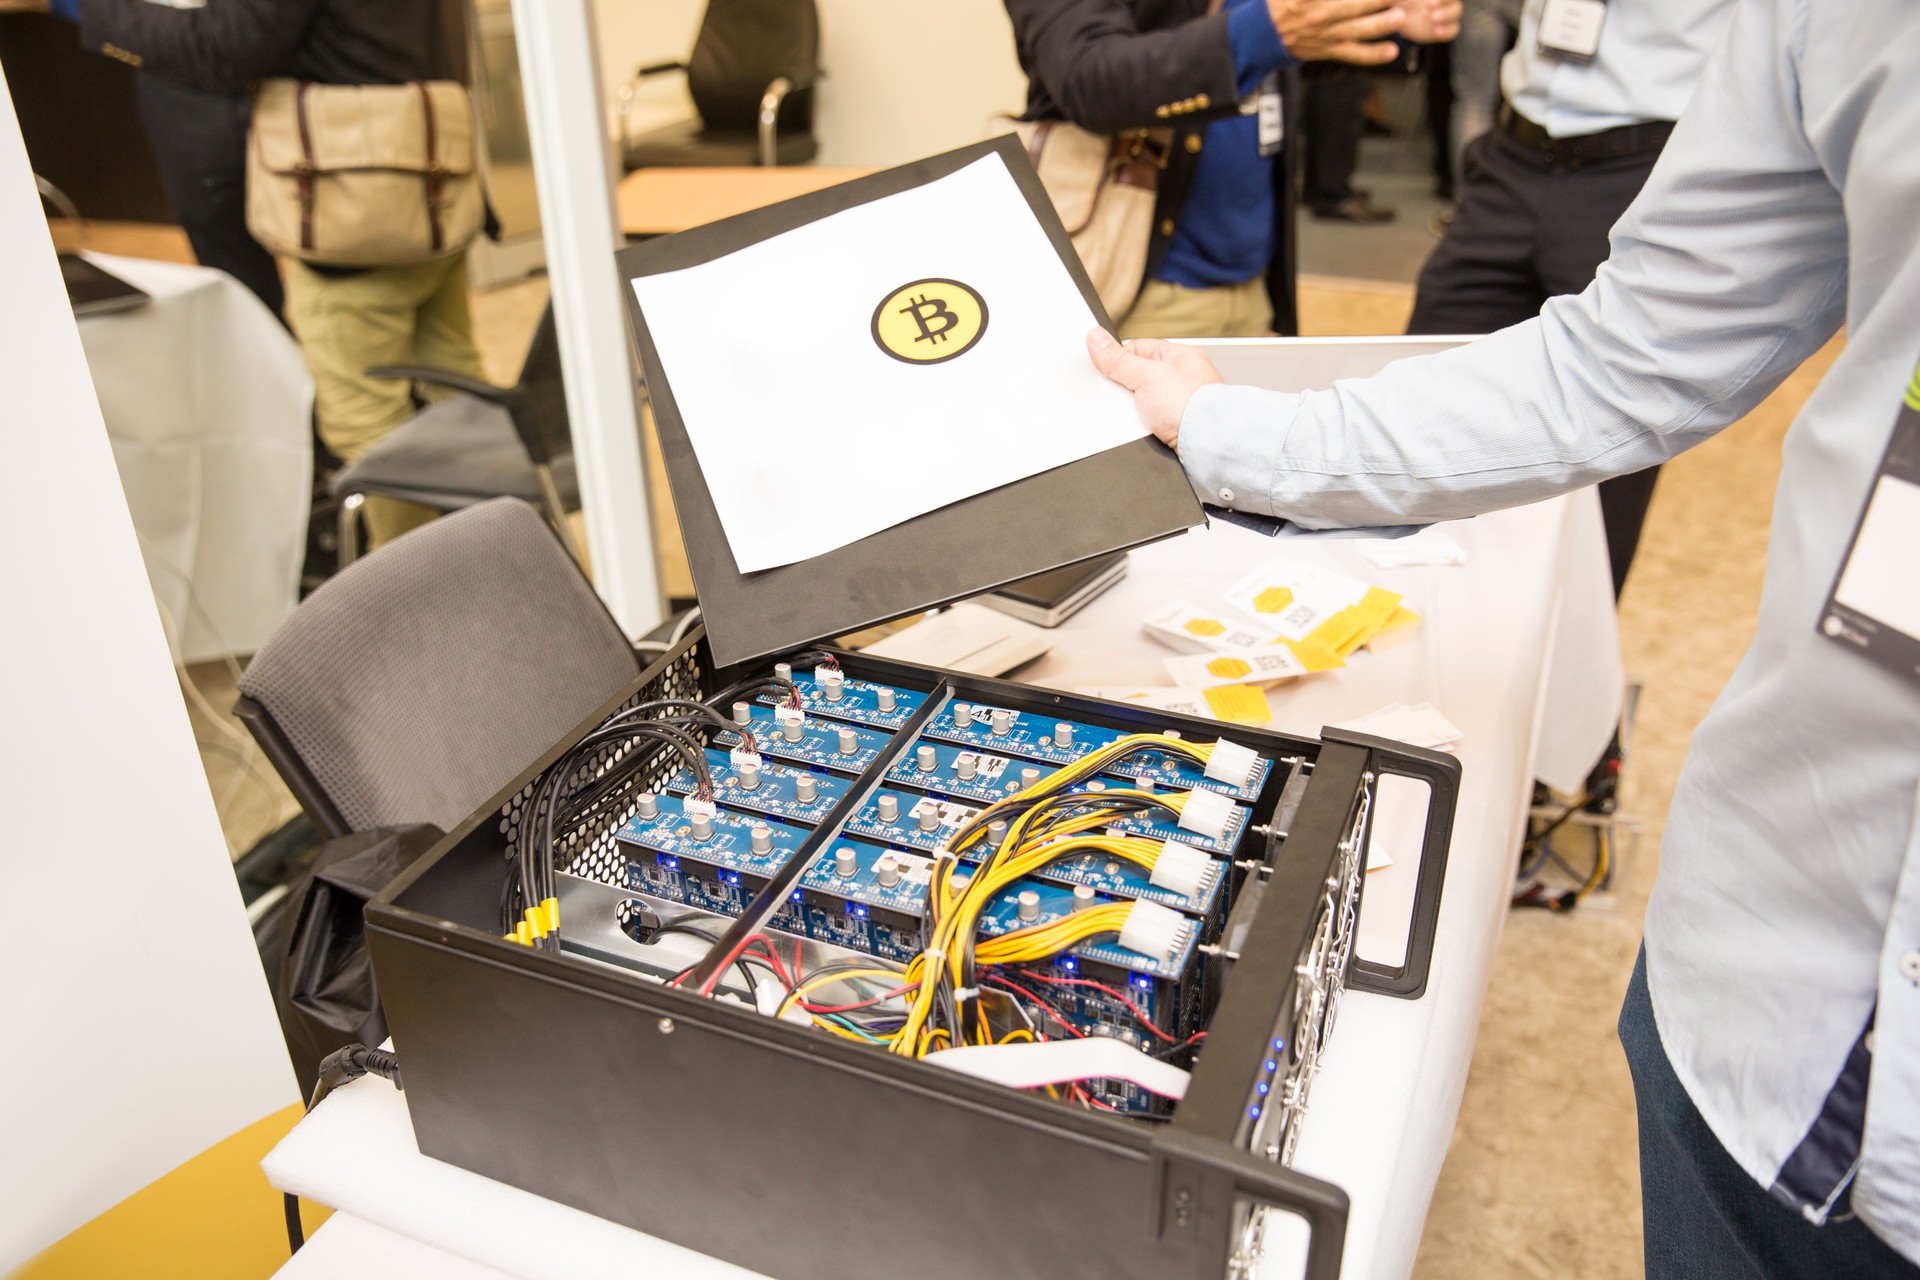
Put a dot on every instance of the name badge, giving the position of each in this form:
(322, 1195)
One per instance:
(1874, 606)
(1267, 107)
(1570, 29)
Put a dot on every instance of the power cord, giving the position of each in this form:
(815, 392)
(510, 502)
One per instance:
(336, 1069)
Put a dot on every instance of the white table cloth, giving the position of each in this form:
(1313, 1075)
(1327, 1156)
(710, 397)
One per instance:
(208, 405)
(1519, 638)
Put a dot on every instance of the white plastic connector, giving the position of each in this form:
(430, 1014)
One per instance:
(1181, 869)
(1231, 763)
(1206, 812)
(1153, 930)
(740, 756)
(784, 713)
(694, 807)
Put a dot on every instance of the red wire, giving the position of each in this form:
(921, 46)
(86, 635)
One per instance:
(845, 1008)
(1138, 1012)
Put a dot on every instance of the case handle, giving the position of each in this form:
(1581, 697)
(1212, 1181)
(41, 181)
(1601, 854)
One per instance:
(1202, 1184)
(1441, 773)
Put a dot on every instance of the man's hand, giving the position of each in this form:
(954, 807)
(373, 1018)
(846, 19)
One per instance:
(1356, 31)
(1431, 21)
(1162, 376)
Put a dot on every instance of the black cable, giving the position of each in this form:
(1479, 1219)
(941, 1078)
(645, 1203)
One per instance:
(338, 1067)
(295, 1235)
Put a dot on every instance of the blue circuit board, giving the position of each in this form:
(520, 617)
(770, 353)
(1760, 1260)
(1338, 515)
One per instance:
(1002, 915)
(1115, 877)
(731, 844)
(1154, 824)
(1033, 737)
(819, 744)
(774, 796)
(859, 700)
(994, 777)
(857, 910)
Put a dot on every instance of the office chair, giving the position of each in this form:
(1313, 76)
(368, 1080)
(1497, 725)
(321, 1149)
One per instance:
(488, 442)
(751, 76)
(414, 684)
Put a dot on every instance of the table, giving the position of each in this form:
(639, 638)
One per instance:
(658, 202)
(1519, 638)
(208, 406)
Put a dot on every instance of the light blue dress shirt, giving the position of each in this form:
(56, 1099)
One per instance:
(1786, 920)
(1650, 58)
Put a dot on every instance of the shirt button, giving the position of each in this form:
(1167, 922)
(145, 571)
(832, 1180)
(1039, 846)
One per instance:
(1910, 966)
(1226, 495)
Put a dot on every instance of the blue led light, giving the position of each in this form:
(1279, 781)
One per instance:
(1279, 1046)
(1069, 964)
(1254, 1112)
(671, 862)
(859, 910)
(1142, 981)
(1264, 1087)
(1272, 1066)
(796, 895)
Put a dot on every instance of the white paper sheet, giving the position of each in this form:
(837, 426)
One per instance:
(810, 436)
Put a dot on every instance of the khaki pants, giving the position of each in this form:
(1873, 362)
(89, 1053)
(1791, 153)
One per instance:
(1166, 310)
(412, 315)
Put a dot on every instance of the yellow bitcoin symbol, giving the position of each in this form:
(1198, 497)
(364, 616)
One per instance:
(1229, 668)
(929, 321)
(1205, 627)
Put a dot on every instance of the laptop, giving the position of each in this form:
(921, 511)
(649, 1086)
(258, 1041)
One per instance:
(92, 290)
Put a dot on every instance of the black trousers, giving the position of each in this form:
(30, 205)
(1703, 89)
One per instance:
(1332, 121)
(1525, 231)
(199, 137)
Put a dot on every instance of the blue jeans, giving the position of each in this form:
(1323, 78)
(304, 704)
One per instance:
(1705, 1218)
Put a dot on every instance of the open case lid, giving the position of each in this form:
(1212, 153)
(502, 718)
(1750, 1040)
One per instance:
(1122, 497)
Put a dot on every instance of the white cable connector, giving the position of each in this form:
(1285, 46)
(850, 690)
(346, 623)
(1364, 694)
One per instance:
(694, 807)
(1181, 869)
(740, 756)
(1231, 763)
(1206, 812)
(1153, 930)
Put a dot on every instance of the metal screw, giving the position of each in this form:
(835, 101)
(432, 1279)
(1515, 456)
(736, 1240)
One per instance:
(666, 1026)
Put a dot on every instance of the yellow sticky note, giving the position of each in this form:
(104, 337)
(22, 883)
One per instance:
(1238, 703)
(1273, 600)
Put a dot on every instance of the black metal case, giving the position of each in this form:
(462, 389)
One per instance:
(799, 1155)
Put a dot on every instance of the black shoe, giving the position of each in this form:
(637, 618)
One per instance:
(1354, 209)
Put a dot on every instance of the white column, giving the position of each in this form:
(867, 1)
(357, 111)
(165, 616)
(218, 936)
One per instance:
(573, 170)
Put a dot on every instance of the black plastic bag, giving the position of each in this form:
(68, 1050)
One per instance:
(325, 995)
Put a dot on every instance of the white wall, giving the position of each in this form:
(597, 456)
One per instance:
(137, 1023)
(905, 78)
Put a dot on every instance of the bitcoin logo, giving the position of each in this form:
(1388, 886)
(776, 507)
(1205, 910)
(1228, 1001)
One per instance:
(929, 321)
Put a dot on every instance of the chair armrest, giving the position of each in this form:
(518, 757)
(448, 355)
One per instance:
(443, 378)
(657, 69)
(770, 102)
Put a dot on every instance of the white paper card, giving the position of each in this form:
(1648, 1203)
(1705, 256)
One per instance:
(1572, 26)
(811, 436)
(1880, 580)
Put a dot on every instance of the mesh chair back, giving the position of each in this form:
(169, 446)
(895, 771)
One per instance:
(419, 681)
(743, 46)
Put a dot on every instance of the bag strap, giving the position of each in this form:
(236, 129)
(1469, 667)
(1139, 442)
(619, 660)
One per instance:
(303, 175)
(436, 176)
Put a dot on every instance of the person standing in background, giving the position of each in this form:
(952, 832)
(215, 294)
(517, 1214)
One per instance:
(1333, 118)
(1576, 136)
(1221, 258)
(348, 319)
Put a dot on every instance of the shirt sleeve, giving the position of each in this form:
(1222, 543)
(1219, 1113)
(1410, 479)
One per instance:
(1105, 74)
(227, 44)
(1258, 51)
(1727, 272)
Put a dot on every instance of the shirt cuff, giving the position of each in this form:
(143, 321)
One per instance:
(68, 9)
(1230, 444)
(1257, 48)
